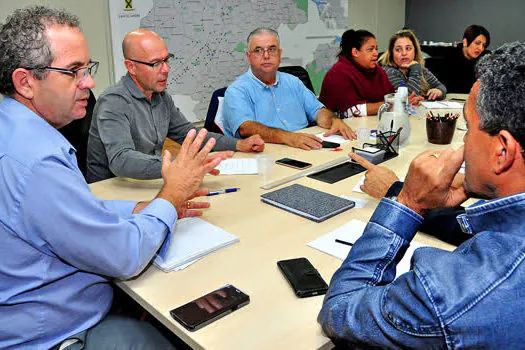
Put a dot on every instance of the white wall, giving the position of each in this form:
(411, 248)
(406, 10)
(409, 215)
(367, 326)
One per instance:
(381, 17)
(94, 20)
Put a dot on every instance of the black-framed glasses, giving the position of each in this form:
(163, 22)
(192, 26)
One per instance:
(78, 74)
(157, 64)
(259, 51)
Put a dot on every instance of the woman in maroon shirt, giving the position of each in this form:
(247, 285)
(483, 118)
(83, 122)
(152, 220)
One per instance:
(356, 85)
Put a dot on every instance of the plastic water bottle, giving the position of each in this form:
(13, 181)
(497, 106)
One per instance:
(400, 114)
(401, 99)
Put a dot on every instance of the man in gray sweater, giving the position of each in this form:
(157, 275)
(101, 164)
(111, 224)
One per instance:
(132, 119)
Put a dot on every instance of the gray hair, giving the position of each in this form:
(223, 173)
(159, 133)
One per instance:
(259, 31)
(23, 42)
(501, 97)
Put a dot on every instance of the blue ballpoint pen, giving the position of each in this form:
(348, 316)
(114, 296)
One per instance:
(228, 190)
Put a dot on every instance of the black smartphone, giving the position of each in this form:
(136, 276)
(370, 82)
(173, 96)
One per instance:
(210, 307)
(328, 144)
(303, 277)
(292, 163)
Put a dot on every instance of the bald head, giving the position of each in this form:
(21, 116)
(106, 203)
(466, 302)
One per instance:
(137, 42)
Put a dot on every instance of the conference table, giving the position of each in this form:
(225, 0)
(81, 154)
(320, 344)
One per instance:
(275, 318)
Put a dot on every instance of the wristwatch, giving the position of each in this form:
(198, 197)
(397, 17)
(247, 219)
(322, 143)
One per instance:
(392, 198)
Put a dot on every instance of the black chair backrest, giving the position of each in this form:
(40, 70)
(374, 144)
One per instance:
(300, 73)
(77, 133)
(209, 123)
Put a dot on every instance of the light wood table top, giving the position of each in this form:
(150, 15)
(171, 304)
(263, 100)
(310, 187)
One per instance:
(275, 317)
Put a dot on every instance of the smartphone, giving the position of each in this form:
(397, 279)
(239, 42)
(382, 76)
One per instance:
(303, 277)
(328, 144)
(292, 163)
(210, 307)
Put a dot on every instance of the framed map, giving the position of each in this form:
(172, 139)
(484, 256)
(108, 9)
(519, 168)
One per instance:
(208, 39)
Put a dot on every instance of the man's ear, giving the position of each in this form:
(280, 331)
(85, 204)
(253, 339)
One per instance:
(505, 150)
(130, 67)
(465, 43)
(355, 52)
(23, 81)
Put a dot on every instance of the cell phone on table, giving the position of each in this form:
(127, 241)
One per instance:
(328, 144)
(303, 277)
(210, 307)
(292, 163)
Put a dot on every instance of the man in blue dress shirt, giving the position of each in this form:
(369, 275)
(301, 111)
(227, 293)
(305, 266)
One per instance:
(471, 297)
(61, 246)
(275, 104)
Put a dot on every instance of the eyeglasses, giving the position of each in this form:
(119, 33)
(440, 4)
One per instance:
(272, 51)
(157, 64)
(79, 73)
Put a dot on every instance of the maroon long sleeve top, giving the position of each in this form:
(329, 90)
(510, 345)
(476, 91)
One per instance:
(345, 85)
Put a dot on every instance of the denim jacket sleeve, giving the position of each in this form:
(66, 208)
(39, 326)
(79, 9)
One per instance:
(364, 305)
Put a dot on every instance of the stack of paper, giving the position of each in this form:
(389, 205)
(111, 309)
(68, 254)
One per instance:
(350, 232)
(192, 239)
(241, 166)
(441, 104)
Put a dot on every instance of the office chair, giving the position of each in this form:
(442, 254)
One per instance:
(300, 73)
(213, 120)
(77, 133)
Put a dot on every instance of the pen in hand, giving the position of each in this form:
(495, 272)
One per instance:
(228, 190)
(344, 242)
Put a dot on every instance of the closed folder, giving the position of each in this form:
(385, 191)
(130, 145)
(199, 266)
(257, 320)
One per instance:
(307, 202)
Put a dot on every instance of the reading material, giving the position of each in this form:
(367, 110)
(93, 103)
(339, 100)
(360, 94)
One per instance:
(350, 232)
(441, 104)
(192, 239)
(307, 202)
(242, 166)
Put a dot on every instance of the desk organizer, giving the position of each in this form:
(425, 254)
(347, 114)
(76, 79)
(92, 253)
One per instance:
(386, 148)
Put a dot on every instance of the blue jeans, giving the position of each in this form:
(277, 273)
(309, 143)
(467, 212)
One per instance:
(119, 332)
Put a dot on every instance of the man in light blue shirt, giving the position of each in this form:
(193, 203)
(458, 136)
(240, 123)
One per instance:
(275, 104)
(61, 246)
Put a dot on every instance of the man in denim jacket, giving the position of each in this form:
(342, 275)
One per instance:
(469, 298)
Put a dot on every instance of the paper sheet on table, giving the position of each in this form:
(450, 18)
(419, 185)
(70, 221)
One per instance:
(243, 166)
(332, 138)
(441, 104)
(350, 232)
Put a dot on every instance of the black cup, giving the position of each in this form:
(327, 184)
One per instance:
(441, 133)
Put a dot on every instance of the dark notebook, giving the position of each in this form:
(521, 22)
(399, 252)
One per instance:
(338, 172)
(305, 201)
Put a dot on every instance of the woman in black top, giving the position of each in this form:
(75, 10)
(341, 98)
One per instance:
(463, 59)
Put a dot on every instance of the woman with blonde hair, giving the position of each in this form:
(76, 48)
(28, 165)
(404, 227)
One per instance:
(403, 62)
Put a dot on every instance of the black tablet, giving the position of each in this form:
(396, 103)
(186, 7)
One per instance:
(338, 172)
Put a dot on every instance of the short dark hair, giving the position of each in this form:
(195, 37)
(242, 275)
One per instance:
(473, 31)
(23, 42)
(500, 102)
(353, 39)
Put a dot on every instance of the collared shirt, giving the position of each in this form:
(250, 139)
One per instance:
(128, 131)
(471, 297)
(286, 105)
(60, 245)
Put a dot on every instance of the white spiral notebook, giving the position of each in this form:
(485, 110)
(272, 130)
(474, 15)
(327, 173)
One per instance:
(192, 239)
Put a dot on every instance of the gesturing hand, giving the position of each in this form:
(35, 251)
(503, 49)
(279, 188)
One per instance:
(378, 179)
(183, 176)
(430, 181)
